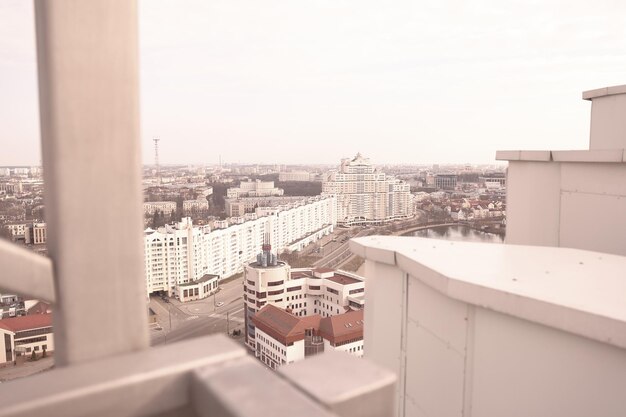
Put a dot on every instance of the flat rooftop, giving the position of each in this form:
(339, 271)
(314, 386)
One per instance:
(343, 279)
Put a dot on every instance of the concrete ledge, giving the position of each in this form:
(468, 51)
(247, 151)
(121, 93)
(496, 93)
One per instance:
(245, 388)
(352, 387)
(613, 155)
(538, 156)
(606, 91)
(147, 382)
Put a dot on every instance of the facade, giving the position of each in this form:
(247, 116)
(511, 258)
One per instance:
(283, 338)
(165, 207)
(195, 206)
(294, 176)
(493, 181)
(366, 195)
(20, 336)
(445, 181)
(14, 187)
(176, 255)
(256, 188)
(240, 206)
(18, 231)
(199, 289)
(304, 292)
(36, 234)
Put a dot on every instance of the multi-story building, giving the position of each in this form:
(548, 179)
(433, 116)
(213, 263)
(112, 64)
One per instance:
(165, 207)
(256, 188)
(180, 254)
(199, 205)
(239, 206)
(13, 187)
(493, 180)
(445, 181)
(283, 338)
(294, 176)
(303, 291)
(17, 230)
(35, 234)
(21, 336)
(366, 195)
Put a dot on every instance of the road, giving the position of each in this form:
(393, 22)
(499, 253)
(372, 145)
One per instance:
(198, 318)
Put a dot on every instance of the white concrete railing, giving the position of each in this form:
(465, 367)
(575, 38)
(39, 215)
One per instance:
(477, 329)
(210, 376)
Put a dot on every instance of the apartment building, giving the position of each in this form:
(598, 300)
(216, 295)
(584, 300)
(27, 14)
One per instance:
(283, 338)
(165, 207)
(446, 181)
(36, 234)
(255, 188)
(181, 254)
(195, 206)
(365, 195)
(239, 206)
(302, 291)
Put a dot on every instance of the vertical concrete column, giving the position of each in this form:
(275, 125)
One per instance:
(89, 108)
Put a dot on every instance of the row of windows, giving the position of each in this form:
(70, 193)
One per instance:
(30, 333)
(31, 340)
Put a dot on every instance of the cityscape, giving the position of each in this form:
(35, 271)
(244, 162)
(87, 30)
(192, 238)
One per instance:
(324, 237)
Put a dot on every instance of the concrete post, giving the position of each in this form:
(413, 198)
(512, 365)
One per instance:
(89, 109)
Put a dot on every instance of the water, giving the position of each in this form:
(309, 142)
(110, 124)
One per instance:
(458, 232)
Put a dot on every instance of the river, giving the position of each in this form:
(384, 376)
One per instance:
(458, 232)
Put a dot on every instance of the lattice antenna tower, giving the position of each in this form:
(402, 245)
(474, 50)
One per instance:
(156, 158)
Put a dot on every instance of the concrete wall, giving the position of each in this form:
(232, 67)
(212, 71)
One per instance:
(457, 359)
(571, 204)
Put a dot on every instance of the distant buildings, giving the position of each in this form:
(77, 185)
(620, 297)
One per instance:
(294, 176)
(445, 181)
(240, 206)
(314, 301)
(200, 205)
(365, 195)
(181, 254)
(256, 188)
(164, 207)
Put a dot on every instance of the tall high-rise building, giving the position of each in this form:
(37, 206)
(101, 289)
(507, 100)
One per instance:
(366, 195)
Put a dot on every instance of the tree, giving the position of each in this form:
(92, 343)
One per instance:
(33, 356)
(43, 353)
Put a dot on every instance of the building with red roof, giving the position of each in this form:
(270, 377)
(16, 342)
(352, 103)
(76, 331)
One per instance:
(283, 338)
(24, 335)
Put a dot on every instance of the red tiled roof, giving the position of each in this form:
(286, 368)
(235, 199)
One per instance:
(342, 327)
(18, 324)
(283, 326)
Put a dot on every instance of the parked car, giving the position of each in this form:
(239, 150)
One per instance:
(219, 304)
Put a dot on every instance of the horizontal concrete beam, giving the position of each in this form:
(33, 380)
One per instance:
(25, 272)
(149, 382)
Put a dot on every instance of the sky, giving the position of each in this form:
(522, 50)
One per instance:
(313, 82)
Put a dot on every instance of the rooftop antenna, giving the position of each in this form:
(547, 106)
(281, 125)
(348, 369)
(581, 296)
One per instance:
(156, 158)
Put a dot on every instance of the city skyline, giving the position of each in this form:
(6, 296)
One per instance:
(309, 83)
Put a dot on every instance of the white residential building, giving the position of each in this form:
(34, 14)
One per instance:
(366, 195)
(256, 188)
(236, 207)
(180, 254)
(165, 207)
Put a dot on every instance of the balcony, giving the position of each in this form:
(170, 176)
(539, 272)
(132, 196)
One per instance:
(496, 329)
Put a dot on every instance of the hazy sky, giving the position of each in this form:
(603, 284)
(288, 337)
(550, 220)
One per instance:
(315, 81)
